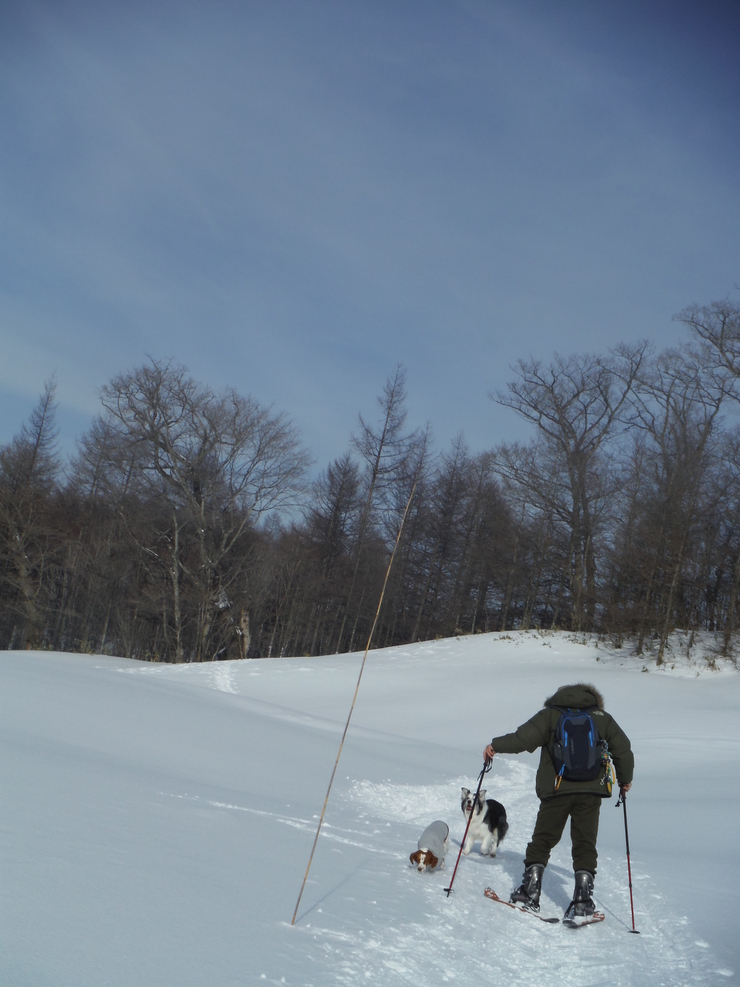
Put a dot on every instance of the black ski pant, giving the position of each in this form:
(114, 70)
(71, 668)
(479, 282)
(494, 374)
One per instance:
(584, 827)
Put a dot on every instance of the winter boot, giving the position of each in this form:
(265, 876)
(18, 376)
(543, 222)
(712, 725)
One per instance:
(582, 905)
(528, 892)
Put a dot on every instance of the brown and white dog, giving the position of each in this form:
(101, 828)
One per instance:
(433, 844)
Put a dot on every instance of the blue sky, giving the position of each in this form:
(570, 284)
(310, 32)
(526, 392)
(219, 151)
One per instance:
(292, 197)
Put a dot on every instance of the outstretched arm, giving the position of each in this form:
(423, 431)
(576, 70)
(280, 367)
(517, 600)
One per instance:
(528, 737)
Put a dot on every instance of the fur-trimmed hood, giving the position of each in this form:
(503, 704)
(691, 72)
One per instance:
(579, 696)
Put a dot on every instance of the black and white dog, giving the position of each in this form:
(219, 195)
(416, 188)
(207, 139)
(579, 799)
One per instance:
(488, 823)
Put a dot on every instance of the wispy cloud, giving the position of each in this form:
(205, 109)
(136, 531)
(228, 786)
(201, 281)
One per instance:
(291, 198)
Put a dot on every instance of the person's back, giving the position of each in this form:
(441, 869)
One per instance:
(563, 795)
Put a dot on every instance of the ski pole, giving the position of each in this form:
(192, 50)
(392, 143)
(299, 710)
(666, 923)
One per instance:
(622, 800)
(486, 768)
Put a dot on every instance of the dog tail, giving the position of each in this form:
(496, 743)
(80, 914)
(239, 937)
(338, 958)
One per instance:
(503, 828)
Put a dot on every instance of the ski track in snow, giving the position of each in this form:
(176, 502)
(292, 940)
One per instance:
(328, 831)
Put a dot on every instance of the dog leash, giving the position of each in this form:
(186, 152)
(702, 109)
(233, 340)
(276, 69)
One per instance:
(487, 765)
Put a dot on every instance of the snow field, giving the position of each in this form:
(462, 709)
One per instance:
(156, 821)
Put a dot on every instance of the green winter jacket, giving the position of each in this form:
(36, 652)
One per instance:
(540, 732)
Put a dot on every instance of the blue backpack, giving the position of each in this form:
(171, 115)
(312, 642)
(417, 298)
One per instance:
(576, 750)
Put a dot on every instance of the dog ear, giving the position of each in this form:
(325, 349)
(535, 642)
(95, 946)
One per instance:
(432, 861)
(465, 792)
(482, 796)
(414, 857)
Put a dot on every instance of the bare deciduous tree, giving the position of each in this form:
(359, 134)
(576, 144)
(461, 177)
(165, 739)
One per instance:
(679, 402)
(215, 462)
(576, 403)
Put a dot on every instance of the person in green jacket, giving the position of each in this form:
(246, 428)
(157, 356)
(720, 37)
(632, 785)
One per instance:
(561, 798)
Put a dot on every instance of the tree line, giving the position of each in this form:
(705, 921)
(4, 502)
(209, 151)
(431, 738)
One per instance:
(186, 527)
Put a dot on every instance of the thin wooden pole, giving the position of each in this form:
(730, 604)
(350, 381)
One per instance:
(354, 699)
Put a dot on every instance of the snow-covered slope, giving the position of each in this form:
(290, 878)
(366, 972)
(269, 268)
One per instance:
(156, 821)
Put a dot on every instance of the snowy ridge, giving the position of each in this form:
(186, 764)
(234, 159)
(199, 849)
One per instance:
(156, 824)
